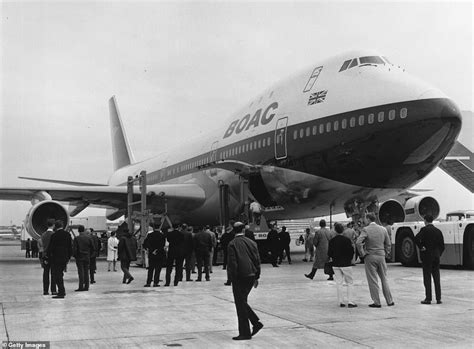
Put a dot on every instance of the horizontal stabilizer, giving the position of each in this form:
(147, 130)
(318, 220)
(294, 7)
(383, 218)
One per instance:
(79, 184)
(459, 164)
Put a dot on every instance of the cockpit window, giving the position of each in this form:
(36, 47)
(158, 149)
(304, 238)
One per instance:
(345, 65)
(354, 63)
(386, 60)
(371, 60)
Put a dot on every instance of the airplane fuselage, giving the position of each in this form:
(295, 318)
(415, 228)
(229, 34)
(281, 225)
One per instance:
(350, 127)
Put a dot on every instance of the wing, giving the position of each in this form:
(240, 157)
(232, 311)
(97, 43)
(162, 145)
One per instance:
(184, 196)
(459, 164)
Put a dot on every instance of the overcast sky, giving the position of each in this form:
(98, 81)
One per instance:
(178, 68)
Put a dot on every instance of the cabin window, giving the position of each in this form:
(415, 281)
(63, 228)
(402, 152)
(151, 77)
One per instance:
(336, 125)
(308, 131)
(370, 118)
(315, 130)
(391, 115)
(251, 146)
(328, 127)
(361, 120)
(264, 142)
(352, 122)
(295, 134)
(380, 116)
(301, 133)
(269, 141)
(344, 123)
(403, 113)
(321, 129)
(259, 143)
(254, 144)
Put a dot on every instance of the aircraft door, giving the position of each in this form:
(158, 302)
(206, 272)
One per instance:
(213, 157)
(280, 138)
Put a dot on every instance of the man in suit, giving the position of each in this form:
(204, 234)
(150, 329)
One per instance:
(83, 248)
(285, 241)
(243, 271)
(127, 252)
(373, 244)
(45, 263)
(93, 260)
(202, 244)
(273, 244)
(59, 252)
(431, 243)
(155, 245)
(187, 249)
(175, 256)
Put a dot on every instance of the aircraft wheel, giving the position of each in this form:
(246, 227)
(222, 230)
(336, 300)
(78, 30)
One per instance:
(407, 249)
(468, 243)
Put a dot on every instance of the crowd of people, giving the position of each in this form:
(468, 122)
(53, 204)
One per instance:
(183, 248)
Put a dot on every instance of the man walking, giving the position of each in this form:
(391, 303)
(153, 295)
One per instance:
(59, 252)
(285, 241)
(243, 271)
(373, 244)
(127, 252)
(273, 245)
(83, 248)
(155, 245)
(431, 243)
(321, 241)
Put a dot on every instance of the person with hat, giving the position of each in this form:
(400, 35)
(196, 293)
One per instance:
(243, 271)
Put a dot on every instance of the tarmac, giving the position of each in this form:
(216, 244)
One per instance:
(296, 312)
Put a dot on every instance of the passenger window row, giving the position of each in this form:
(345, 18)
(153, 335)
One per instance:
(245, 148)
(353, 122)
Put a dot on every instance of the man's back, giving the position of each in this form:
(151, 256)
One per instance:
(83, 247)
(202, 242)
(431, 239)
(60, 247)
(375, 240)
(155, 243)
(244, 259)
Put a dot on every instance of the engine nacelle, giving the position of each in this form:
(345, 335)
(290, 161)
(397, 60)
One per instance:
(391, 211)
(419, 206)
(37, 217)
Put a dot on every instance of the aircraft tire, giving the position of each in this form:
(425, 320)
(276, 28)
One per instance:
(468, 244)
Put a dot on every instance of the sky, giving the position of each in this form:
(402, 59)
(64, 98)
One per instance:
(178, 68)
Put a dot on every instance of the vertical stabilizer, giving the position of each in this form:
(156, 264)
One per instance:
(120, 148)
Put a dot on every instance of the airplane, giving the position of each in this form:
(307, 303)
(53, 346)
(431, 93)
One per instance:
(353, 131)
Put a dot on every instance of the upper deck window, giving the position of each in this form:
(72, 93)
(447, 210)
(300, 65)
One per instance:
(371, 60)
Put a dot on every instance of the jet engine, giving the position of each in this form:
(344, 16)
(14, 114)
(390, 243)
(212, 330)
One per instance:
(391, 211)
(37, 217)
(419, 206)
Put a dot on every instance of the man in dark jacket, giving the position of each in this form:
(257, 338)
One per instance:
(202, 243)
(431, 243)
(94, 255)
(341, 251)
(175, 256)
(187, 249)
(59, 252)
(155, 244)
(45, 263)
(273, 245)
(285, 241)
(243, 270)
(83, 248)
(127, 252)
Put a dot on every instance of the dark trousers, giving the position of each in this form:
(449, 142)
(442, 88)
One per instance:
(224, 263)
(285, 249)
(57, 274)
(92, 268)
(189, 259)
(83, 272)
(177, 260)
(431, 268)
(274, 255)
(46, 272)
(28, 254)
(203, 258)
(154, 267)
(241, 289)
(125, 266)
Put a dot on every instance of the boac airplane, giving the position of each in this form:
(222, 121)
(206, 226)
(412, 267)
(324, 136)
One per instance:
(351, 131)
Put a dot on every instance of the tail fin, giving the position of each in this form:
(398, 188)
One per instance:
(122, 153)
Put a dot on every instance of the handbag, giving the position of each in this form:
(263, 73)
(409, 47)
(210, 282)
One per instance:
(328, 270)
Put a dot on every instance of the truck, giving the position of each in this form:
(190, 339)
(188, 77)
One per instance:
(458, 234)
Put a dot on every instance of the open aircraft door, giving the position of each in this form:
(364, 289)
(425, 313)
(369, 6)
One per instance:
(213, 157)
(280, 138)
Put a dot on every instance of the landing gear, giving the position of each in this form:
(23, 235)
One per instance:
(406, 249)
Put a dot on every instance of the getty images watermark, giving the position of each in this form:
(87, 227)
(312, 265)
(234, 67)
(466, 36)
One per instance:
(25, 344)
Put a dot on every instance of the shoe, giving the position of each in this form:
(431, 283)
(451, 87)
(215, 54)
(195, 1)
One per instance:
(124, 282)
(54, 293)
(86, 289)
(108, 270)
(276, 266)
(330, 278)
(45, 294)
(208, 279)
(256, 328)
(352, 305)
(391, 304)
(311, 260)
(148, 285)
(156, 285)
(227, 283)
(58, 296)
(130, 280)
(189, 279)
(166, 285)
(375, 305)
(289, 262)
(79, 290)
(198, 280)
(92, 282)
(342, 305)
(439, 302)
(309, 276)
(115, 269)
(175, 283)
(241, 338)
(425, 302)
(224, 268)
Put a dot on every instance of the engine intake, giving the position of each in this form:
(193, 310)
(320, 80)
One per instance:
(419, 206)
(391, 211)
(38, 215)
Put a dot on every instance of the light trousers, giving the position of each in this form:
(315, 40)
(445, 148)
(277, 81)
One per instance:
(375, 265)
(343, 276)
